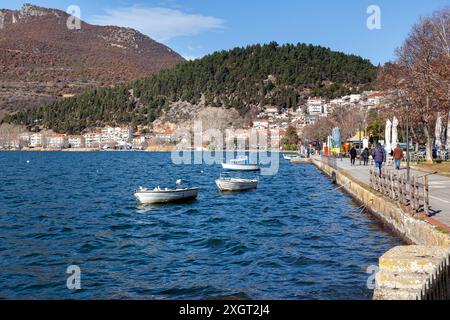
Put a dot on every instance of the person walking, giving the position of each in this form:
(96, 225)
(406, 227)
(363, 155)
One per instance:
(398, 157)
(353, 155)
(379, 156)
(365, 155)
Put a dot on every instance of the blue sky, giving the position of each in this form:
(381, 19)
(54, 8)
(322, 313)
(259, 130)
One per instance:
(198, 27)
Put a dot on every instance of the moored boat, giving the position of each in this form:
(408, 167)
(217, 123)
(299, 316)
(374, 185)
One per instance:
(158, 195)
(236, 184)
(240, 164)
(292, 156)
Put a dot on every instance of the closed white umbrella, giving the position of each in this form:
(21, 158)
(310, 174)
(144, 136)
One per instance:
(394, 138)
(388, 136)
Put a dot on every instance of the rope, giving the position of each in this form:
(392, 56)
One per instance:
(342, 186)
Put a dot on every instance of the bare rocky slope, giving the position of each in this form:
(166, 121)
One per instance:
(41, 59)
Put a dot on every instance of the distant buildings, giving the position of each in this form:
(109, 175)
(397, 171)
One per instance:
(56, 141)
(120, 136)
(76, 141)
(36, 140)
(138, 141)
(374, 99)
(271, 119)
(315, 105)
(261, 124)
(109, 137)
(93, 140)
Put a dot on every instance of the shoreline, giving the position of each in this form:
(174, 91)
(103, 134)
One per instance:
(146, 151)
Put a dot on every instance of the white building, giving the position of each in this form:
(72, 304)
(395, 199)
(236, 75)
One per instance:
(315, 101)
(315, 105)
(56, 141)
(36, 140)
(355, 98)
(119, 135)
(310, 119)
(315, 110)
(374, 99)
(328, 108)
(76, 141)
(261, 124)
(93, 139)
(167, 136)
(138, 141)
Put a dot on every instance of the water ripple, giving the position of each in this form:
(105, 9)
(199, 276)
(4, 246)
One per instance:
(296, 237)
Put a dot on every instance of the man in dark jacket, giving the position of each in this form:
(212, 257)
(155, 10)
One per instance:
(353, 155)
(365, 155)
(379, 156)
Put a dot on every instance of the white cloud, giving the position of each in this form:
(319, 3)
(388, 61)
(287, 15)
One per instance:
(190, 57)
(161, 24)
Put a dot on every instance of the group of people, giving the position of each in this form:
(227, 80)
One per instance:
(379, 156)
(364, 156)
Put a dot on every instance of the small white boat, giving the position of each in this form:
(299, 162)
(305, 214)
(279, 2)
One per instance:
(292, 156)
(235, 184)
(240, 164)
(159, 195)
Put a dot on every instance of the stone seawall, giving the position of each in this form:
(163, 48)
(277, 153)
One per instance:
(413, 230)
(416, 272)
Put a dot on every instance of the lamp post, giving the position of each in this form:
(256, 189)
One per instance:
(360, 144)
(408, 157)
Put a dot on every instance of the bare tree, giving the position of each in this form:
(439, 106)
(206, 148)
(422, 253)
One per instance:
(418, 82)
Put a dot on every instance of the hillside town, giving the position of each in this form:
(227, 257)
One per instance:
(271, 120)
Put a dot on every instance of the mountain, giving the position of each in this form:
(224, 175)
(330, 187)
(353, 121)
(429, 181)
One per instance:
(41, 59)
(240, 80)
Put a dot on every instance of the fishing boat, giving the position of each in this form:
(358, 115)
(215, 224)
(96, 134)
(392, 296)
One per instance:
(158, 195)
(240, 164)
(236, 184)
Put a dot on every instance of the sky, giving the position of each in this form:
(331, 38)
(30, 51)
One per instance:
(195, 28)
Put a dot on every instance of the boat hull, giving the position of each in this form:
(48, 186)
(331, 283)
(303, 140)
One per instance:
(240, 167)
(236, 185)
(159, 197)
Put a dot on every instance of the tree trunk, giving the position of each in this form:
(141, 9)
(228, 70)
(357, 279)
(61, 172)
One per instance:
(447, 144)
(429, 144)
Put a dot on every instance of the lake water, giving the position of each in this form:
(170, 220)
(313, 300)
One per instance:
(296, 237)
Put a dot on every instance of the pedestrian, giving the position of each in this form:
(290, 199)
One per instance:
(379, 156)
(398, 156)
(365, 155)
(353, 155)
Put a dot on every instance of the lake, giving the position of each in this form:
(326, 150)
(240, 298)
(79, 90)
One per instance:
(296, 237)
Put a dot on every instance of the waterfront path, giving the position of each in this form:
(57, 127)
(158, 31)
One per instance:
(439, 188)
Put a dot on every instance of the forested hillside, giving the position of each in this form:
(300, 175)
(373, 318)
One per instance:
(241, 78)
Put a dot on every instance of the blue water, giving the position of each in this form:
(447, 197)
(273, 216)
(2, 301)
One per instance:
(296, 237)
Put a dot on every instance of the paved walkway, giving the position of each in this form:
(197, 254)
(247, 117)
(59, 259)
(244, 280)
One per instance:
(439, 188)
